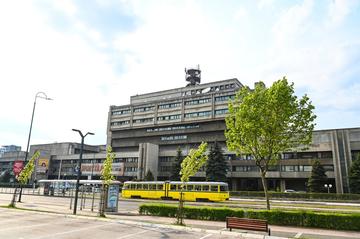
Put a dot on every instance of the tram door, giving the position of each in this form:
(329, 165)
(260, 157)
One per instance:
(166, 189)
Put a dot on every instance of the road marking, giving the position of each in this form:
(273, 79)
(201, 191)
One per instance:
(130, 235)
(208, 235)
(72, 231)
(298, 235)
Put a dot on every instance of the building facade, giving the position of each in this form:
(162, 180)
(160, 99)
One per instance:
(146, 134)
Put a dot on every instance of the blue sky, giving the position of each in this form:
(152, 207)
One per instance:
(88, 55)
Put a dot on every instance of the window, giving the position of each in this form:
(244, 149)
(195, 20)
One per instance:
(244, 168)
(221, 112)
(144, 120)
(118, 123)
(168, 106)
(130, 169)
(165, 168)
(198, 101)
(224, 98)
(214, 188)
(168, 117)
(121, 112)
(143, 109)
(197, 114)
(130, 160)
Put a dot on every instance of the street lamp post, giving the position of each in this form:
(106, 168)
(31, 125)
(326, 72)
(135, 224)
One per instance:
(328, 186)
(41, 95)
(79, 167)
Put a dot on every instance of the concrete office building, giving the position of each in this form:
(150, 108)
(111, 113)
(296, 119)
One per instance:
(146, 133)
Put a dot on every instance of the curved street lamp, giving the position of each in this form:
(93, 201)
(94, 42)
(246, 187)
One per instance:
(79, 166)
(41, 95)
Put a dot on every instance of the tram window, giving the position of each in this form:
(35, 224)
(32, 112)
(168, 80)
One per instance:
(197, 187)
(214, 188)
(223, 188)
(189, 187)
(205, 188)
(138, 186)
(160, 187)
(145, 186)
(133, 186)
(126, 186)
(173, 187)
(152, 186)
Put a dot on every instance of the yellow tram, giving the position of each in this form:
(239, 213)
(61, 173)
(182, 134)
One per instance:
(193, 191)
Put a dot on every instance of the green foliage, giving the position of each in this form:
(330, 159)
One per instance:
(265, 122)
(149, 176)
(106, 172)
(354, 175)
(193, 162)
(317, 196)
(176, 167)
(335, 221)
(318, 178)
(25, 174)
(216, 166)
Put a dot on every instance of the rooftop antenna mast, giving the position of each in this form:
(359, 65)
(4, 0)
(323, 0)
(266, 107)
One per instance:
(193, 76)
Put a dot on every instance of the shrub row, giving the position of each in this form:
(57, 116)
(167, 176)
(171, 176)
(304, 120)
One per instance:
(333, 221)
(324, 196)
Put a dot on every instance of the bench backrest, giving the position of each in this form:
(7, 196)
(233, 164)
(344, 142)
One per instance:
(245, 223)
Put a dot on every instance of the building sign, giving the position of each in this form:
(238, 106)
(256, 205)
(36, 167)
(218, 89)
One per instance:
(112, 198)
(18, 167)
(42, 165)
(95, 169)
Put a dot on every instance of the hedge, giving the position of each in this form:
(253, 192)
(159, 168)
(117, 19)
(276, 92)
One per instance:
(300, 218)
(324, 196)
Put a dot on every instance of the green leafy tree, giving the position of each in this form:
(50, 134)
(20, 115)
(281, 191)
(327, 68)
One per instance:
(318, 178)
(189, 167)
(25, 174)
(216, 166)
(149, 176)
(107, 177)
(265, 122)
(176, 167)
(354, 175)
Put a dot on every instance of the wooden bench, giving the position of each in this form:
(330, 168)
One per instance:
(247, 224)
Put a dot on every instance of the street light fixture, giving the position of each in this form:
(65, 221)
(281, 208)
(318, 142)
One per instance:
(79, 166)
(40, 95)
(328, 186)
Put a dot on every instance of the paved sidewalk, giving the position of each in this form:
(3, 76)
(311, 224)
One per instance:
(131, 216)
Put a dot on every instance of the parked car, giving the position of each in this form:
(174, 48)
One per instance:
(290, 191)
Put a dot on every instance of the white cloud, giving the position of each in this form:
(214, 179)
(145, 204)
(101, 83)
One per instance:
(35, 57)
(338, 10)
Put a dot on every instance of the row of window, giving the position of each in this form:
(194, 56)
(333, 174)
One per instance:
(198, 101)
(299, 155)
(131, 169)
(173, 105)
(224, 98)
(284, 168)
(168, 117)
(143, 120)
(119, 123)
(173, 137)
(143, 109)
(121, 112)
(197, 114)
(170, 105)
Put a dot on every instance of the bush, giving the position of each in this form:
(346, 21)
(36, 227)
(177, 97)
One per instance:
(333, 221)
(279, 195)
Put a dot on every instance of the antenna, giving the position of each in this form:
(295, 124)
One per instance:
(193, 75)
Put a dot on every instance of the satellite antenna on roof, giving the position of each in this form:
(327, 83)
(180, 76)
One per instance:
(193, 75)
